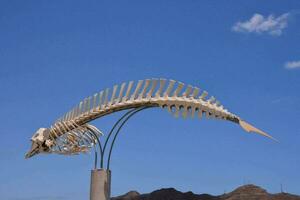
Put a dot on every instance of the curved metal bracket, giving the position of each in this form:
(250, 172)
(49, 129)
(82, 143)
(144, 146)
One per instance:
(119, 124)
(112, 130)
(130, 114)
(100, 147)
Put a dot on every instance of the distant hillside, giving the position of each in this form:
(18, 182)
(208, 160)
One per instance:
(246, 192)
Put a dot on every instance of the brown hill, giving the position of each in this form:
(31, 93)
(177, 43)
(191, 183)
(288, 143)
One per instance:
(246, 192)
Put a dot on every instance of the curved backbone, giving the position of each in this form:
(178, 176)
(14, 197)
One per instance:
(179, 99)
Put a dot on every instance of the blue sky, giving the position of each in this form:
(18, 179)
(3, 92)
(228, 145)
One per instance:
(55, 53)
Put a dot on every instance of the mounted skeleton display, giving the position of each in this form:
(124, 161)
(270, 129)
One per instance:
(72, 133)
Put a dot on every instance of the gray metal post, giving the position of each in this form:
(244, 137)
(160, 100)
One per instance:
(100, 184)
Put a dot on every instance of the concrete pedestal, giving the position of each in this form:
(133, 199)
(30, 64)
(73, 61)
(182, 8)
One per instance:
(100, 184)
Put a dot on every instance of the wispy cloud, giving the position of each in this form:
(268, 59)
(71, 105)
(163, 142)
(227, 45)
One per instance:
(292, 65)
(259, 24)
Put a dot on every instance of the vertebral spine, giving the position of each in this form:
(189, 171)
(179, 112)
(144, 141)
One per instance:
(152, 95)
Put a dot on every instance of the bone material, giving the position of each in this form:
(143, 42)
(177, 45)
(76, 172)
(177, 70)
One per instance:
(95, 101)
(195, 92)
(249, 128)
(121, 93)
(179, 88)
(135, 93)
(100, 100)
(170, 87)
(106, 93)
(143, 93)
(60, 136)
(113, 95)
(128, 91)
(187, 91)
(89, 105)
(154, 83)
(84, 107)
(162, 83)
(203, 95)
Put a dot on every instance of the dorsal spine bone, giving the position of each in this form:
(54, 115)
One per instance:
(187, 103)
(187, 91)
(169, 89)
(135, 93)
(162, 83)
(153, 86)
(113, 95)
(128, 91)
(121, 93)
(143, 93)
(178, 90)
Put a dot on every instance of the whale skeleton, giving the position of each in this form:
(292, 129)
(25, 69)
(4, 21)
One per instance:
(72, 133)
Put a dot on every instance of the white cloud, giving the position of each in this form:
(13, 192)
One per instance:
(260, 24)
(292, 64)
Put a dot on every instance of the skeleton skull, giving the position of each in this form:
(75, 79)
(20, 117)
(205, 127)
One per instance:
(41, 143)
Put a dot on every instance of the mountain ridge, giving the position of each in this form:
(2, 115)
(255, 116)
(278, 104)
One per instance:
(245, 192)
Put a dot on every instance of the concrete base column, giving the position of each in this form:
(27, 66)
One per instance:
(100, 184)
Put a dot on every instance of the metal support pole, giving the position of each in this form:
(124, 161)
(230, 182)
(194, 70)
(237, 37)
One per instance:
(100, 188)
(111, 132)
(117, 133)
(100, 184)
(100, 147)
